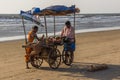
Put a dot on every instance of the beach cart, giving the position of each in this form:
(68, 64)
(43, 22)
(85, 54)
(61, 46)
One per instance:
(53, 56)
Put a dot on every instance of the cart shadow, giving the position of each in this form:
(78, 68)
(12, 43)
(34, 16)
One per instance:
(79, 69)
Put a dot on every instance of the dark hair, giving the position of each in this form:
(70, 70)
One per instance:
(67, 23)
(35, 27)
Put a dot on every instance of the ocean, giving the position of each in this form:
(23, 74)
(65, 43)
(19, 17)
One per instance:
(11, 27)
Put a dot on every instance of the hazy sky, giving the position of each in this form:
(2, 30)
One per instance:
(86, 6)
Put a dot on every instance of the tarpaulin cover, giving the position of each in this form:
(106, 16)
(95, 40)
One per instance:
(54, 10)
(60, 8)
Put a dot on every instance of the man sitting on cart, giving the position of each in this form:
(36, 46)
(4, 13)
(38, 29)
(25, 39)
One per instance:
(32, 36)
(68, 33)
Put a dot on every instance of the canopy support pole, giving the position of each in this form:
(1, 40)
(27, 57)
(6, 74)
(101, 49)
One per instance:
(25, 36)
(24, 30)
(74, 23)
(54, 26)
(45, 25)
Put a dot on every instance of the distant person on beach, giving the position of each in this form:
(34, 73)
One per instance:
(32, 38)
(68, 32)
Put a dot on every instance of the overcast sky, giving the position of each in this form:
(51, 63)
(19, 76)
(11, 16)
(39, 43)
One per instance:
(86, 6)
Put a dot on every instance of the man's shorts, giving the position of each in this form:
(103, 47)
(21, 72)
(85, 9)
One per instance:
(70, 46)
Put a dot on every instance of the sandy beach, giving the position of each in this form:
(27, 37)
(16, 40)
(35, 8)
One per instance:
(91, 48)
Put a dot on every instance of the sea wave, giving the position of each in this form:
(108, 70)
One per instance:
(3, 39)
(11, 25)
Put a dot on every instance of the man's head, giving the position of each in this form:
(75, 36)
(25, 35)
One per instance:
(68, 24)
(35, 29)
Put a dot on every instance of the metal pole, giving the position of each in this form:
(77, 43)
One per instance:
(24, 30)
(74, 22)
(54, 26)
(45, 25)
(25, 37)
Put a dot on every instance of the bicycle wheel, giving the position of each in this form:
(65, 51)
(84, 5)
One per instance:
(67, 57)
(54, 59)
(36, 61)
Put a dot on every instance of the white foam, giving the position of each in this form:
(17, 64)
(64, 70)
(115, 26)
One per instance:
(58, 33)
(97, 29)
(11, 38)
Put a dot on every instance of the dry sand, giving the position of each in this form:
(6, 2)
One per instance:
(92, 48)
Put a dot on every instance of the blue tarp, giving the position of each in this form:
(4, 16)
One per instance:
(54, 10)
(60, 8)
(35, 10)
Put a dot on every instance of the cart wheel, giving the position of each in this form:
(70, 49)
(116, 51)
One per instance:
(54, 59)
(36, 61)
(67, 57)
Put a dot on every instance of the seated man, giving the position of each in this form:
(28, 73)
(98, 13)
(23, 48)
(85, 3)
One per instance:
(31, 37)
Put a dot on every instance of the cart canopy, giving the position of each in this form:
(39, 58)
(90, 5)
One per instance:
(52, 10)
(57, 10)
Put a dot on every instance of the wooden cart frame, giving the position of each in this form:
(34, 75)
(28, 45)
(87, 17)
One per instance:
(54, 53)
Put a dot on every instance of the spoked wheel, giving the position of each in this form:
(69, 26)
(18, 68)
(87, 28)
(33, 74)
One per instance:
(54, 59)
(67, 57)
(36, 61)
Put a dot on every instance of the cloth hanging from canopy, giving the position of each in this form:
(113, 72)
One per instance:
(28, 16)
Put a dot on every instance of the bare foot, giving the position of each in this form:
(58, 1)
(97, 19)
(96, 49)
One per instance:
(27, 67)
